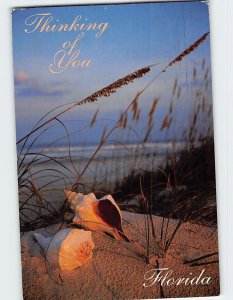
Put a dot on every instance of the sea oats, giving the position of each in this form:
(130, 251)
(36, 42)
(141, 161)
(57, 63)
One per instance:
(94, 118)
(188, 50)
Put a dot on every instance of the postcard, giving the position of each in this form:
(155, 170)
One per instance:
(115, 151)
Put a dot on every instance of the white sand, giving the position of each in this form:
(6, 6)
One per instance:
(117, 271)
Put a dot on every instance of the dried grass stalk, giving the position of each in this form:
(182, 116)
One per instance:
(154, 107)
(203, 104)
(148, 133)
(174, 87)
(188, 50)
(151, 119)
(135, 109)
(94, 118)
(166, 123)
(110, 89)
(206, 74)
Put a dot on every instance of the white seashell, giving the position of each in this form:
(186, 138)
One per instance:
(68, 248)
(97, 214)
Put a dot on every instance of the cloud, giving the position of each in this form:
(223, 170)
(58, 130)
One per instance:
(26, 86)
(39, 91)
(21, 77)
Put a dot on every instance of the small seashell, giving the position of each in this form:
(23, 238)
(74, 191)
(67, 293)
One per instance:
(97, 214)
(68, 248)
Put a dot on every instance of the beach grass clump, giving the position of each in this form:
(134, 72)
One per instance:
(188, 174)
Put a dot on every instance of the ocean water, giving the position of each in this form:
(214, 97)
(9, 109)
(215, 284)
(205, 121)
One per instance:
(118, 150)
(112, 162)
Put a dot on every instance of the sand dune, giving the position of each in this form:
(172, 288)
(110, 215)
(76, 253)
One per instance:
(117, 271)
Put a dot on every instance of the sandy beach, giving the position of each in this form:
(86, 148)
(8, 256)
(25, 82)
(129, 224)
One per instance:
(117, 270)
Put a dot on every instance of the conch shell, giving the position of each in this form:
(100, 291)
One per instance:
(68, 248)
(97, 214)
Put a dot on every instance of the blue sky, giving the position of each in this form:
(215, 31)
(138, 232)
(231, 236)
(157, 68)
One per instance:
(137, 35)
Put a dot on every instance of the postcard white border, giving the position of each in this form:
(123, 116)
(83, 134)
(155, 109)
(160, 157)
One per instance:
(221, 16)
